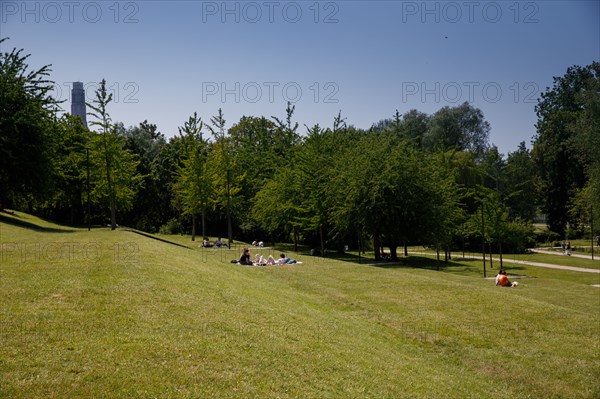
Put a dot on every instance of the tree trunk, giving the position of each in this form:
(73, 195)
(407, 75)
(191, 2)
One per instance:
(394, 253)
(3, 199)
(295, 239)
(111, 189)
(193, 227)
(491, 264)
(405, 249)
(376, 247)
(322, 240)
(203, 223)
(500, 249)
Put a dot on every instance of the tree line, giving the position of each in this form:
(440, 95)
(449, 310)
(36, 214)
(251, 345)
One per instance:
(414, 178)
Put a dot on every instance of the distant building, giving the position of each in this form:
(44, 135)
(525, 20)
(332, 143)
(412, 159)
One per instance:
(78, 102)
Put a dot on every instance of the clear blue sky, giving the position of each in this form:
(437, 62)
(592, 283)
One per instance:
(163, 60)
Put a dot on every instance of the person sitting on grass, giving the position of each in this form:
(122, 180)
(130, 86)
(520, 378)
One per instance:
(206, 242)
(245, 258)
(503, 280)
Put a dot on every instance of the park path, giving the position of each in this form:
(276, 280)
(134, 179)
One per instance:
(546, 252)
(523, 262)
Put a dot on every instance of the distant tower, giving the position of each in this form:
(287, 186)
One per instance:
(78, 102)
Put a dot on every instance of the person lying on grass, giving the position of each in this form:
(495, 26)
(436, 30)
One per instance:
(260, 260)
(283, 260)
(502, 280)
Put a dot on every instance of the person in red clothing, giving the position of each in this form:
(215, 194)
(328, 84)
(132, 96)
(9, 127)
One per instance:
(503, 280)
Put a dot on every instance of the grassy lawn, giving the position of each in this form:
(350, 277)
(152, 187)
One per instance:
(116, 314)
(557, 259)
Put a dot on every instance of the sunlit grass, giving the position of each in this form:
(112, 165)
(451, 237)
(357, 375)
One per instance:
(115, 314)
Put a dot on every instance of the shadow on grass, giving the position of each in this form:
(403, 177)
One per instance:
(412, 261)
(16, 221)
(148, 235)
(458, 265)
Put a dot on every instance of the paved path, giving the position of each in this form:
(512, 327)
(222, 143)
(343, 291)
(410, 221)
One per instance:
(574, 255)
(522, 262)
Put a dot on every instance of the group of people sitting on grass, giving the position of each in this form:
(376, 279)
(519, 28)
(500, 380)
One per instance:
(246, 259)
(218, 244)
(502, 280)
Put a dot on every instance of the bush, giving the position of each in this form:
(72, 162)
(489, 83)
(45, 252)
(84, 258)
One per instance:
(546, 236)
(173, 226)
(572, 233)
(518, 236)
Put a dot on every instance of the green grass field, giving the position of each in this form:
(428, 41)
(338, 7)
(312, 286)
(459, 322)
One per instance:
(115, 314)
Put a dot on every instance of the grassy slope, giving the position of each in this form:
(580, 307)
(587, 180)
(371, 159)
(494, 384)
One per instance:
(115, 314)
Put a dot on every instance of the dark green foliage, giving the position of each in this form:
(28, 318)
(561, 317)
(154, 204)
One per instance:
(461, 128)
(520, 183)
(114, 177)
(560, 165)
(172, 226)
(151, 205)
(26, 118)
(546, 236)
(70, 140)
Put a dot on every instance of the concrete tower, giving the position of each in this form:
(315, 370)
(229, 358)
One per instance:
(78, 102)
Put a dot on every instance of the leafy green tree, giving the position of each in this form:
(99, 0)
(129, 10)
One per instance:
(276, 206)
(412, 126)
(70, 141)
(194, 186)
(586, 141)
(227, 174)
(26, 117)
(118, 181)
(287, 136)
(152, 203)
(253, 144)
(313, 164)
(259, 147)
(561, 169)
(394, 193)
(217, 126)
(522, 198)
(461, 128)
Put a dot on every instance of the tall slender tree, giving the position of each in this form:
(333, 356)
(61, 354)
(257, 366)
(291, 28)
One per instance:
(194, 185)
(118, 181)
